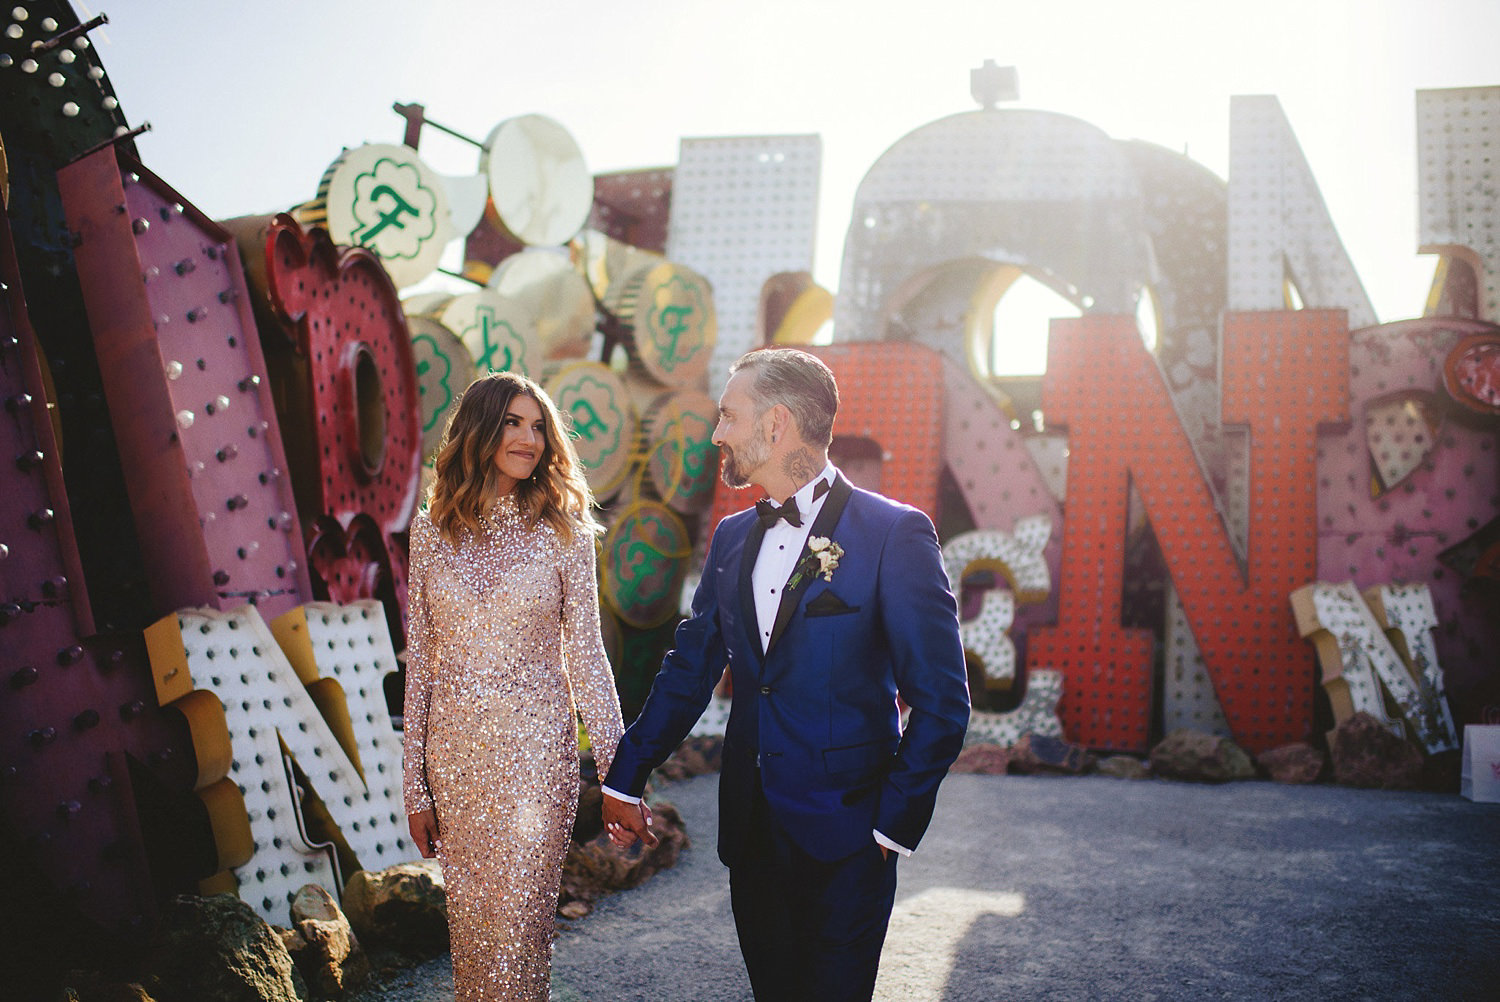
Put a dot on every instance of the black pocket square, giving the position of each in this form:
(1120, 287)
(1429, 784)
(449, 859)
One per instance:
(829, 604)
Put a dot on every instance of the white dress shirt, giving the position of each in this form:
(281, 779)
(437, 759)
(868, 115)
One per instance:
(779, 549)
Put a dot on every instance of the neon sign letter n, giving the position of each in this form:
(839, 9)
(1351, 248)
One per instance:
(1284, 373)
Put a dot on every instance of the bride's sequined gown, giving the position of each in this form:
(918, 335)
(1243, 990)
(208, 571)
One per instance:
(503, 642)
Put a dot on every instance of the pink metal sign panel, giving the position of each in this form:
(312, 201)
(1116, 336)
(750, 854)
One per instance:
(184, 375)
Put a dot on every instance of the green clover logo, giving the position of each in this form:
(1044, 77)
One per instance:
(496, 345)
(597, 434)
(394, 212)
(677, 306)
(433, 369)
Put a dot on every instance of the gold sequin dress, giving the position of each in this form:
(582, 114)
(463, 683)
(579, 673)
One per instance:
(503, 643)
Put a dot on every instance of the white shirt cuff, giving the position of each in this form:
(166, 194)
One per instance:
(620, 796)
(894, 846)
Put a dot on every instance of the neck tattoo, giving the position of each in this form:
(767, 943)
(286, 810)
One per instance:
(800, 465)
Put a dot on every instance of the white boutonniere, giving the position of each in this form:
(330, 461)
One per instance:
(822, 560)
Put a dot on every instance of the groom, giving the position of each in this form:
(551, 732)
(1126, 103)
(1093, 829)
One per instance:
(825, 603)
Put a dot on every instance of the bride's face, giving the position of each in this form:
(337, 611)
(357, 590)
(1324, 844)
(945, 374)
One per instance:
(522, 441)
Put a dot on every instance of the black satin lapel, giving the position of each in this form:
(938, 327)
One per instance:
(748, 554)
(828, 517)
(833, 508)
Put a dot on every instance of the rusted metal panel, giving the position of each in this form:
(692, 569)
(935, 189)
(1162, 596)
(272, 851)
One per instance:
(187, 384)
(634, 207)
(76, 707)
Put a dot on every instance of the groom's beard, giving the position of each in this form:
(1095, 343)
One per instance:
(736, 469)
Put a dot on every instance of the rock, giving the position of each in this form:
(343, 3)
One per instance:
(90, 986)
(576, 909)
(597, 867)
(219, 948)
(1200, 758)
(1045, 755)
(694, 757)
(1124, 767)
(403, 907)
(130, 992)
(1366, 754)
(1294, 763)
(314, 902)
(332, 962)
(323, 944)
(986, 759)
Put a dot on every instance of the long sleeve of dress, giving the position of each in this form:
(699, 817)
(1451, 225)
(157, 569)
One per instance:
(587, 666)
(420, 669)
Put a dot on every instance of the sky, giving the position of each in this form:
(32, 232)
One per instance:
(250, 102)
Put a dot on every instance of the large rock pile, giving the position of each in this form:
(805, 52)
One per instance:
(1040, 754)
(1124, 767)
(694, 757)
(984, 759)
(220, 948)
(1363, 753)
(596, 867)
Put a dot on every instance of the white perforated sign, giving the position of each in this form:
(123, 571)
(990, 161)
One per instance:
(1278, 222)
(267, 709)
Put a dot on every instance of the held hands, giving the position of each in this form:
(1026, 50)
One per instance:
(424, 832)
(627, 823)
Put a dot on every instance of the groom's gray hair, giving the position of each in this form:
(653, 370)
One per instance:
(798, 381)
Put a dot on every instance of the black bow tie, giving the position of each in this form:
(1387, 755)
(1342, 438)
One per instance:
(770, 512)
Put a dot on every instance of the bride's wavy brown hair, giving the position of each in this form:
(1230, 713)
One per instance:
(467, 478)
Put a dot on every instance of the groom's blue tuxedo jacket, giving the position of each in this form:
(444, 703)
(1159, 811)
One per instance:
(816, 711)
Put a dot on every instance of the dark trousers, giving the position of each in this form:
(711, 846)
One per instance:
(809, 930)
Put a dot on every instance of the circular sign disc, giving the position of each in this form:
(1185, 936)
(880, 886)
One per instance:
(540, 187)
(671, 310)
(385, 198)
(499, 333)
(645, 560)
(545, 284)
(444, 371)
(595, 400)
(680, 454)
(609, 263)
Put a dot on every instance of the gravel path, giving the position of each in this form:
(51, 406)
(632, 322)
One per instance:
(1030, 888)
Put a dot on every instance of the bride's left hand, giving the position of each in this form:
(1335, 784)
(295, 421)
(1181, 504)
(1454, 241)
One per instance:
(627, 822)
